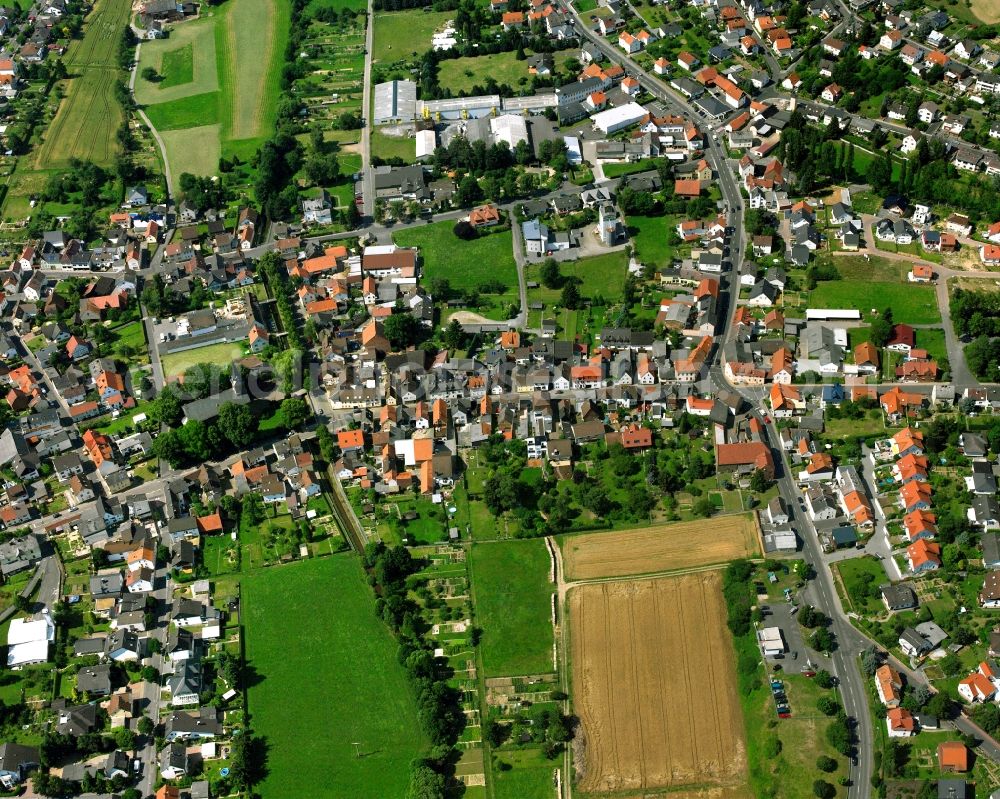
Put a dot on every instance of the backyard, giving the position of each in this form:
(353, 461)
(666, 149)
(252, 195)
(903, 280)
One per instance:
(327, 663)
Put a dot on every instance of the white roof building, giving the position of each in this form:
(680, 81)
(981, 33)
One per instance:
(28, 641)
(615, 119)
(509, 128)
(771, 641)
(573, 152)
(426, 142)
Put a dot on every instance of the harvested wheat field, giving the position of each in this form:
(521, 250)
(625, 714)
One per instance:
(666, 547)
(655, 688)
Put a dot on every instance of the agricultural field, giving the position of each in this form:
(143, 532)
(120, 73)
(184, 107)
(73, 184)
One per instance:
(340, 676)
(665, 547)
(218, 81)
(89, 117)
(219, 354)
(654, 686)
(513, 602)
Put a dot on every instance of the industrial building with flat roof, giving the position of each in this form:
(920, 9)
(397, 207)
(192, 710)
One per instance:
(395, 101)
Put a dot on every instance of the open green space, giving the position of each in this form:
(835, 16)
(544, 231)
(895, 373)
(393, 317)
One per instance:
(89, 117)
(617, 170)
(337, 5)
(650, 237)
(178, 66)
(465, 264)
(185, 62)
(911, 304)
(529, 778)
(226, 93)
(218, 354)
(327, 663)
(185, 112)
(197, 150)
(462, 74)
(406, 35)
(860, 578)
(513, 602)
(385, 146)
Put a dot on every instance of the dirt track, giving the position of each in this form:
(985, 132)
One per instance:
(666, 547)
(655, 689)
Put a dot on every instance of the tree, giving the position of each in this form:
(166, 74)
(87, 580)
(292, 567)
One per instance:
(402, 330)
(703, 507)
(760, 481)
(826, 764)
(425, 783)
(823, 679)
(550, 276)
(824, 789)
(879, 172)
(148, 73)
(167, 408)
(827, 705)
(570, 295)
(881, 329)
(293, 412)
(124, 738)
(454, 336)
(987, 716)
(465, 231)
(238, 424)
(146, 725)
(940, 705)
(871, 659)
(822, 640)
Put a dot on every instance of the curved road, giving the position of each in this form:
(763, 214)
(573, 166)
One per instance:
(824, 597)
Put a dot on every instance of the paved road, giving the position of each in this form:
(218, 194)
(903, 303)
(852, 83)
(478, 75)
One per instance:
(823, 596)
(146, 121)
(368, 190)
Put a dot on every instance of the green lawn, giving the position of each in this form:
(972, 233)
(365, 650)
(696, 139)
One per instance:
(198, 110)
(915, 305)
(183, 75)
(195, 150)
(513, 599)
(465, 264)
(462, 74)
(530, 777)
(219, 354)
(178, 66)
(617, 170)
(600, 275)
(89, 117)
(384, 146)
(130, 334)
(330, 681)
(406, 34)
(649, 238)
(852, 572)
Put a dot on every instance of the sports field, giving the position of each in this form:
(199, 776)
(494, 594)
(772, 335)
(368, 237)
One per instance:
(329, 681)
(218, 80)
(665, 547)
(513, 604)
(89, 117)
(218, 354)
(654, 685)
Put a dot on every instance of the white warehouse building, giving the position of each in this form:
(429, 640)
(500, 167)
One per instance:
(615, 119)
